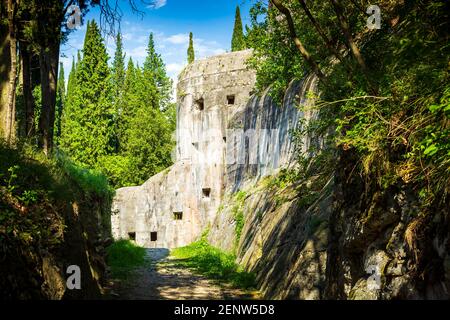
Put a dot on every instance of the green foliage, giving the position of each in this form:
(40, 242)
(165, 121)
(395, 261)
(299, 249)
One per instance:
(283, 179)
(149, 143)
(155, 70)
(60, 101)
(190, 51)
(123, 257)
(118, 69)
(118, 122)
(35, 192)
(92, 181)
(144, 130)
(238, 216)
(37, 96)
(238, 39)
(215, 264)
(87, 131)
(402, 134)
(393, 117)
(275, 59)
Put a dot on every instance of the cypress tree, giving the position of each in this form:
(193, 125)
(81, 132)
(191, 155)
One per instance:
(87, 126)
(118, 67)
(129, 103)
(190, 52)
(238, 40)
(155, 69)
(60, 101)
(71, 80)
(71, 88)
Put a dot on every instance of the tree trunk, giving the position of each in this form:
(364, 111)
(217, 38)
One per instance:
(320, 31)
(5, 70)
(353, 47)
(298, 43)
(11, 101)
(27, 90)
(49, 58)
(347, 34)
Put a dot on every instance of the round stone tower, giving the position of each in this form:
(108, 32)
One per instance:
(173, 208)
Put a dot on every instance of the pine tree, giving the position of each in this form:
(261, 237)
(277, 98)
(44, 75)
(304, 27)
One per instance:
(60, 102)
(71, 80)
(190, 52)
(87, 123)
(71, 86)
(118, 68)
(155, 69)
(148, 143)
(238, 40)
(144, 132)
(130, 102)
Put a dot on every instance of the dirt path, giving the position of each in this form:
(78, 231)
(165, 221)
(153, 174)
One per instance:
(164, 279)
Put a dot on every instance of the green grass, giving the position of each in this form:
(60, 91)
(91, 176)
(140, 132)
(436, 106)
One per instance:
(214, 264)
(92, 181)
(123, 257)
(238, 216)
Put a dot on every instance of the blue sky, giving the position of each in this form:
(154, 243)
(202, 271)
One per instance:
(211, 21)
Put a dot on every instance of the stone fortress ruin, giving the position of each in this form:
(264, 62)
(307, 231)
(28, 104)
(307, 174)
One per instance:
(215, 97)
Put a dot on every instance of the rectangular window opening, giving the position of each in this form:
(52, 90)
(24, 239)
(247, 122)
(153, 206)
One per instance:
(231, 99)
(200, 104)
(178, 216)
(132, 235)
(153, 236)
(206, 193)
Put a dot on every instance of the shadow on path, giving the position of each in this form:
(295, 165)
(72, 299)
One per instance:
(162, 278)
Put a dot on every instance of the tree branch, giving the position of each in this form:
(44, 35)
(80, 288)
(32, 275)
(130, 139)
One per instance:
(306, 55)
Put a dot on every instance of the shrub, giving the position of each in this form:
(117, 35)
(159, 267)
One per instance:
(123, 256)
(214, 263)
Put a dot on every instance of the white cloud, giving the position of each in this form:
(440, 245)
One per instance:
(205, 49)
(137, 53)
(180, 38)
(156, 4)
(134, 38)
(175, 68)
(202, 47)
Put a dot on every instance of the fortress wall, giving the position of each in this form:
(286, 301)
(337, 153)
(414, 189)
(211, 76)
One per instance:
(208, 92)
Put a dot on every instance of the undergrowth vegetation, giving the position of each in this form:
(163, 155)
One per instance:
(214, 263)
(35, 190)
(47, 205)
(392, 113)
(238, 216)
(123, 257)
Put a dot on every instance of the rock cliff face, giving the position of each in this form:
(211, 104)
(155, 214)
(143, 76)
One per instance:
(331, 236)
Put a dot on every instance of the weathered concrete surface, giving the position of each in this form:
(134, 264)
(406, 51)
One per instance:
(271, 148)
(284, 239)
(209, 92)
